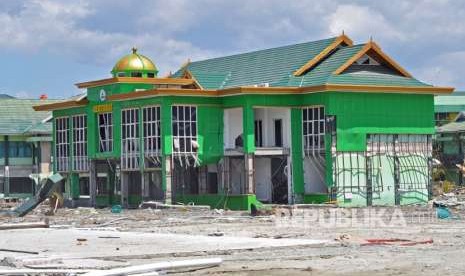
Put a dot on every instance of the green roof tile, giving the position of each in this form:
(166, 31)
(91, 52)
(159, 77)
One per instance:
(17, 117)
(264, 66)
(276, 67)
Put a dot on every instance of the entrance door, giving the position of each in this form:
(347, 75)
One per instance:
(279, 180)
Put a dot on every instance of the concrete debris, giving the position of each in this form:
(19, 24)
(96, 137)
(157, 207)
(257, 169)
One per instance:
(159, 205)
(147, 268)
(454, 199)
(47, 186)
(216, 234)
(287, 241)
(10, 226)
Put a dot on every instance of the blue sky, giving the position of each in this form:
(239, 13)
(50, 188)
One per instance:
(46, 46)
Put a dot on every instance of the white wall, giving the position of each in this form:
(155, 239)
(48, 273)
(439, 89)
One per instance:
(263, 179)
(268, 115)
(233, 126)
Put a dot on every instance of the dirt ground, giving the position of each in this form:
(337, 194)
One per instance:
(303, 240)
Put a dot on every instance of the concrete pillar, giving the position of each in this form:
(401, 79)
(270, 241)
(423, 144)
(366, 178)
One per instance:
(226, 177)
(203, 180)
(290, 190)
(145, 186)
(249, 174)
(124, 189)
(93, 183)
(168, 181)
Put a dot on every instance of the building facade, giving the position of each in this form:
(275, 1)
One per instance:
(25, 145)
(322, 121)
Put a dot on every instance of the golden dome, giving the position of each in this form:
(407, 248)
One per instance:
(134, 63)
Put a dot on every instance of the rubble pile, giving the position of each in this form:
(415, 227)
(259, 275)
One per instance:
(454, 199)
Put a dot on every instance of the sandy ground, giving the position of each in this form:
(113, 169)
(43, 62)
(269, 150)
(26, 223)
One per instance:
(301, 241)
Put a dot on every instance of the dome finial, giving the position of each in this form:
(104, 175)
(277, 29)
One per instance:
(134, 50)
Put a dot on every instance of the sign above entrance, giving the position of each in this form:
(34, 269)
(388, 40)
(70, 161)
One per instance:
(103, 95)
(102, 108)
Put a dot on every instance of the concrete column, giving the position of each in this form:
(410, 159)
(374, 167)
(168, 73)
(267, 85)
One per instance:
(203, 180)
(249, 174)
(93, 183)
(124, 189)
(168, 181)
(145, 186)
(290, 190)
(226, 177)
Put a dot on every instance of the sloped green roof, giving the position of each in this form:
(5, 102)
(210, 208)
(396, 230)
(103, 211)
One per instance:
(276, 67)
(319, 74)
(17, 117)
(450, 103)
(264, 66)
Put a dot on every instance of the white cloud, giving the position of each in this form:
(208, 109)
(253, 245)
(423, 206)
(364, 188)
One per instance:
(428, 34)
(445, 70)
(48, 25)
(360, 22)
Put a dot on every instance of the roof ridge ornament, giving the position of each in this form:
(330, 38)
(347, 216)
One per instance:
(134, 50)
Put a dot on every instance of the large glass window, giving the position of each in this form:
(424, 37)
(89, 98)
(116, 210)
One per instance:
(2, 149)
(313, 129)
(184, 120)
(152, 138)
(62, 143)
(130, 139)
(105, 125)
(19, 149)
(80, 160)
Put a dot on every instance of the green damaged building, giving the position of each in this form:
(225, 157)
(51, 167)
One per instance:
(321, 121)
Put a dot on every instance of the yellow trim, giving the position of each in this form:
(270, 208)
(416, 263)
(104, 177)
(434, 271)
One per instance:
(175, 81)
(256, 91)
(163, 92)
(60, 105)
(338, 41)
(373, 47)
(189, 75)
(379, 89)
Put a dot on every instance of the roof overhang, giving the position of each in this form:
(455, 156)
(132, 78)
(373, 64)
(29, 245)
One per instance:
(283, 91)
(340, 40)
(61, 105)
(434, 90)
(172, 81)
(253, 90)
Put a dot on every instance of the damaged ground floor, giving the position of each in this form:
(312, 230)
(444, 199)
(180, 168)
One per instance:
(394, 170)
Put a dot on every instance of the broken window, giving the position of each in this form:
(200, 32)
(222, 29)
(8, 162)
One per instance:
(84, 186)
(80, 161)
(258, 133)
(130, 139)
(105, 124)
(184, 120)
(278, 133)
(152, 137)
(313, 129)
(62, 144)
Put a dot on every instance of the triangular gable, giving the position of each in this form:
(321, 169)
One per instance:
(372, 50)
(188, 75)
(340, 40)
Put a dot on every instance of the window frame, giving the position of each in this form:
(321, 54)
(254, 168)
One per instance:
(184, 147)
(62, 144)
(314, 141)
(105, 145)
